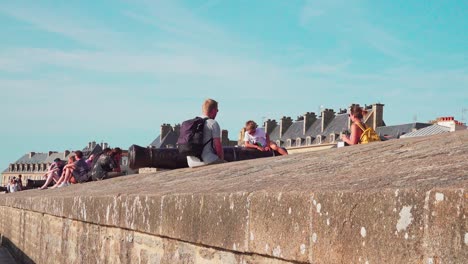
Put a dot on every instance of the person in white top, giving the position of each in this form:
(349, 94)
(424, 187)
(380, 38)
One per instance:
(213, 152)
(256, 138)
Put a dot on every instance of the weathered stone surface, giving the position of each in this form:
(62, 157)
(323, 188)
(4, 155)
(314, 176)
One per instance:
(280, 225)
(401, 201)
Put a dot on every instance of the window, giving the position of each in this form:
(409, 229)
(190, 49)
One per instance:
(319, 139)
(288, 143)
(332, 138)
(308, 141)
(298, 142)
(278, 143)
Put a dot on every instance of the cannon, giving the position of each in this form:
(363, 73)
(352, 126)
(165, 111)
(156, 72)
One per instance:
(141, 157)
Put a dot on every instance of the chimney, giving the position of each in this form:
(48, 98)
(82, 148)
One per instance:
(269, 126)
(309, 119)
(165, 129)
(66, 153)
(31, 154)
(377, 109)
(327, 117)
(93, 145)
(89, 145)
(177, 129)
(105, 145)
(50, 153)
(285, 123)
(224, 138)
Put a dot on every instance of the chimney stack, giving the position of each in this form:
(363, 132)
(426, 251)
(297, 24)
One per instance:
(327, 117)
(89, 145)
(177, 129)
(309, 119)
(93, 145)
(224, 137)
(378, 115)
(269, 126)
(285, 123)
(31, 154)
(165, 130)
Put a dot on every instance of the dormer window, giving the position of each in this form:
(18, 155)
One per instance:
(298, 142)
(308, 141)
(319, 139)
(332, 138)
(288, 143)
(278, 143)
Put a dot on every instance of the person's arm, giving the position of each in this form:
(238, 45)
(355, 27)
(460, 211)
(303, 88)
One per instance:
(254, 146)
(353, 139)
(218, 148)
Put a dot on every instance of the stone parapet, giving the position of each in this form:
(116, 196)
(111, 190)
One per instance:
(401, 201)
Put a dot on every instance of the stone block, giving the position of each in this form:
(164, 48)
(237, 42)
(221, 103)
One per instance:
(224, 221)
(360, 227)
(181, 216)
(280, 225)
(141, 213)
(446, 226)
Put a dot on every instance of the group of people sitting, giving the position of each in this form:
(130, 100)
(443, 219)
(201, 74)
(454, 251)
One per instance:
(13, 185)
(78, 169)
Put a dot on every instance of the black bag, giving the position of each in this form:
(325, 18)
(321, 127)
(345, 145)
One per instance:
(190, 141)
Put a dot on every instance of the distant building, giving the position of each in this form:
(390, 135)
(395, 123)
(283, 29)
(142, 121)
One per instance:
(396, 131)
(440, 125)
(169, 134)
(34, 165)
(311, 132)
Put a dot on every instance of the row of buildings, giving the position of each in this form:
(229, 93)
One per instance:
(308, 132)
(34, 165)
(314, 132)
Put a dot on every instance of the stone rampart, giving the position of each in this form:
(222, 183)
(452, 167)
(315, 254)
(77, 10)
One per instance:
(401, 201)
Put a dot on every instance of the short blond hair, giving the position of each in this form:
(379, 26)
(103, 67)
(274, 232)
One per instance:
(249, 125)
(209, 105)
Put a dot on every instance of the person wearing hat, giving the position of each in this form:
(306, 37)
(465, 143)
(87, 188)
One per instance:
(54, 172)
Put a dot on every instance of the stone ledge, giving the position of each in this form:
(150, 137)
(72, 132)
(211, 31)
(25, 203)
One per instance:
(398, 201)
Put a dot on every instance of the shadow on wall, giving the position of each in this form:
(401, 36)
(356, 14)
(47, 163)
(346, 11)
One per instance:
(18, 254)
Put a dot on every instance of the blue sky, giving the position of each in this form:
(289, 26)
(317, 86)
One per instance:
(76, 71)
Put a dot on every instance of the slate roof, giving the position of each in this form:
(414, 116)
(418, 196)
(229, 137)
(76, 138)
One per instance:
(46, 158)
(36, 158)
(427, 131)
(169, 139)
(314, 129)
(274, 135)
(390, 132)
(294, 131)
(337, 125)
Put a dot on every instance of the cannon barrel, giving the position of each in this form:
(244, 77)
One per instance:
(140, 157)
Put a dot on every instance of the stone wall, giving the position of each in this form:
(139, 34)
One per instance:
(401, 201)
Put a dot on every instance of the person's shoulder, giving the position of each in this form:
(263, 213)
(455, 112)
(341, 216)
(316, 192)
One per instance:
(211, 122)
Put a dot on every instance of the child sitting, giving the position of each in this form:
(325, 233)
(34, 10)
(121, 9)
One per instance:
(257, 138)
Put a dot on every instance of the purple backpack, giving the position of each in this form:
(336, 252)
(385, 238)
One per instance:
(190, 141)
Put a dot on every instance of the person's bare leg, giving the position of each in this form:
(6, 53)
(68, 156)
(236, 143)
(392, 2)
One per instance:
(275, 147)
(68, 175)
(50, 177)
(60, 180)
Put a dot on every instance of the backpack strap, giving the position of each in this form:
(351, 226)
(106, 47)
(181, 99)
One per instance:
(360, 126)
(211, 139)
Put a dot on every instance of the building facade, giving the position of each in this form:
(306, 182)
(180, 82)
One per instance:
(35, 165)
